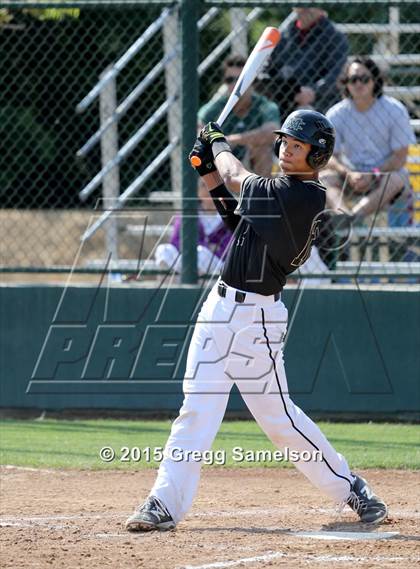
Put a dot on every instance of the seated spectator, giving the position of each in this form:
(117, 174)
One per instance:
(213, 238)
(373, 133)
(251, 123)
(304, 67)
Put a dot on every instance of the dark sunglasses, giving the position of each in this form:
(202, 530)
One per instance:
(230, 80)
(364, 79)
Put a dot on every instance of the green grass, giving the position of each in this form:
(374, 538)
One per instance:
(76, 444)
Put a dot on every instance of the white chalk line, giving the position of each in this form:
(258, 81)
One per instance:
(323, 535)
(270, 555)
(125, 535)
(46, 519)
(200, 514)
(29, 525)
(287, 510)
(252, 512)
(29, 469)
(43, 524)
(345, 535)
(220, 564)
(98, 515)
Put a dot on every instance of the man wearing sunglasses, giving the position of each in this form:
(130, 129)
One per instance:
(373, 134)
(249, 127)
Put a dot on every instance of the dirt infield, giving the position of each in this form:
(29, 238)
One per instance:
(241, 518)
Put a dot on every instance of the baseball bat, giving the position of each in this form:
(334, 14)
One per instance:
(262, 50)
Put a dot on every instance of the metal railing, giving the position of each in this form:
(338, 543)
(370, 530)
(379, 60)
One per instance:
(121, 110)
(118, 203)
(146, 82)
(124, 60)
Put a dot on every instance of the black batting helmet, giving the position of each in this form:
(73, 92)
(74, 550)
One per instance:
(314, 128)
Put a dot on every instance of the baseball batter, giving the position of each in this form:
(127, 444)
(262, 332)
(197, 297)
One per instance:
(238, 337)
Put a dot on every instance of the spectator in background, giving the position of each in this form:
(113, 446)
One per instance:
(249, 127)
(373, 133)
(304, 67)
(213, 238)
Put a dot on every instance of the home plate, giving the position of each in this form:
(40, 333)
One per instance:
(350, 535)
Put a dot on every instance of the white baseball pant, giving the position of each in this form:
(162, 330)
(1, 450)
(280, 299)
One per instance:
(242, 344)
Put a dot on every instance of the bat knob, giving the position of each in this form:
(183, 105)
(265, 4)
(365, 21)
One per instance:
(195, 161)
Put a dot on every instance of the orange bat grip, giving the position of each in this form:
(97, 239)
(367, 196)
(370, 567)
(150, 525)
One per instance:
(195, 161)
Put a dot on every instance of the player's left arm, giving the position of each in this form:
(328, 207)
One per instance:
(224, 201)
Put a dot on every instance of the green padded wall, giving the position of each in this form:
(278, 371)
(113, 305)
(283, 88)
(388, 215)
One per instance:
(347, 351)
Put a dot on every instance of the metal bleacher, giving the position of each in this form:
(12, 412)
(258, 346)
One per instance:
(413, 166)
(386, 52)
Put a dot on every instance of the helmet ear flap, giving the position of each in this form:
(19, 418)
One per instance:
(277, 145)
(317, 159)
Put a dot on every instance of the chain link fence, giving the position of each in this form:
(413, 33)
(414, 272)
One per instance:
(91, 120)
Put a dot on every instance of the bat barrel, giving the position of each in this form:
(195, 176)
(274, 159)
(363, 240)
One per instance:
(262, 50)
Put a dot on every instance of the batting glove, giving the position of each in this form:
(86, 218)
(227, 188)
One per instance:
(201, 158)
(212, 133)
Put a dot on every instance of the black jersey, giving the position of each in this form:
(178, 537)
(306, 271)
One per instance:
(279, 221)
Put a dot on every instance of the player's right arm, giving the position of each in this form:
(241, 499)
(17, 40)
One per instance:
(230, 169)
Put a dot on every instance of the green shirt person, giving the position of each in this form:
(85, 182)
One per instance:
(249, 127)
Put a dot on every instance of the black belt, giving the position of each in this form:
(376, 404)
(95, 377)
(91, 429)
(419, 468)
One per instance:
(239, 296)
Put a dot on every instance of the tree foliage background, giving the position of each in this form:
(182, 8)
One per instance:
(51, 58)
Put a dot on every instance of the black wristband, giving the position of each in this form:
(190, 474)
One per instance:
(227, 208)
(221, 192)
(230, 201)
(220, 146)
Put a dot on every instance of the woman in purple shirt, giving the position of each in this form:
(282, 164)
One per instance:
(213, 238)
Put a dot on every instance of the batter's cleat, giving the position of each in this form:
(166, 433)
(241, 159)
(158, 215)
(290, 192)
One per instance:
(152, 515)
(370, 508)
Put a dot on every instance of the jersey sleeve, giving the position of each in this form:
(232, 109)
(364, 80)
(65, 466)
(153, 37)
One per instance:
(256, 197)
